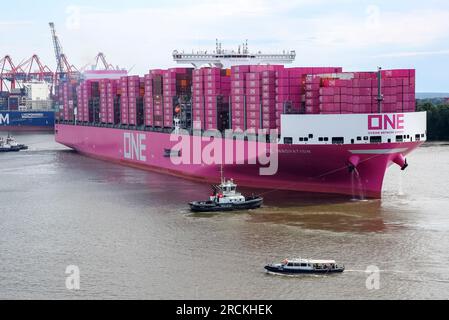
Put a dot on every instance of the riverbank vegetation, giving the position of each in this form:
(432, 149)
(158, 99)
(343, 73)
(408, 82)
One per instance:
(437, 119)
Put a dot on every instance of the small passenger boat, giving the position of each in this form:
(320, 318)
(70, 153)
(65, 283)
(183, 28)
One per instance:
(298, 266)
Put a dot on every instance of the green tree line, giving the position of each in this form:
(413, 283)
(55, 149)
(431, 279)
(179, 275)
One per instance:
(437, 120)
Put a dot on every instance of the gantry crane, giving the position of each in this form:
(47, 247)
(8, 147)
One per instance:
(64, 70)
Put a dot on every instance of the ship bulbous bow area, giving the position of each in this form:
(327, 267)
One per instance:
(352, 163)
(401, 161)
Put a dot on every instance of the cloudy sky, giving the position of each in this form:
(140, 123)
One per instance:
(139, 35)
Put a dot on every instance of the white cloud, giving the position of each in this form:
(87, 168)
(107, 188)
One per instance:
(146, 36)
(412, 54)
(15, 23)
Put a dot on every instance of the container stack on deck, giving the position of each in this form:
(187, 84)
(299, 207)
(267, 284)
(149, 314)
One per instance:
(133, 100)
(210, 100)
(238, 97)
(258, 96)
(124, 113)
(112, 102)
(153, 105)
(66, 95)
(176, 89)
(103, 84)
(358, 92)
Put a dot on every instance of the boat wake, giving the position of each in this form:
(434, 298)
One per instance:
(299, 275)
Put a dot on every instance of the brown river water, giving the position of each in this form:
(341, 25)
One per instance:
(131, 234)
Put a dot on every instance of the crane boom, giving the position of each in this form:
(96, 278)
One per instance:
(58, 49)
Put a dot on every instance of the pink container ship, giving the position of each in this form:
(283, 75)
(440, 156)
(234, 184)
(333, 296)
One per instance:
(304, 129)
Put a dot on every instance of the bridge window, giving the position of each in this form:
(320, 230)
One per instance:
(338, 140)
(288, 140)
(399, 139)
(375, 139)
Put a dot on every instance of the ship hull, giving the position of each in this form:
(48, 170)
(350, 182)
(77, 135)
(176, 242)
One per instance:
(27, 121)
(310, 168)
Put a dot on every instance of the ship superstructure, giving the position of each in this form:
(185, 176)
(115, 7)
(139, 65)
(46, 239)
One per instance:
(225, 58)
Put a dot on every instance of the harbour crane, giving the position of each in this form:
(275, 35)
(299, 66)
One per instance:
(64, 70)
(100, 59)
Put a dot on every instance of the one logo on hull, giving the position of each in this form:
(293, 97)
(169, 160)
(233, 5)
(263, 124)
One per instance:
(4, 118)
(386, 122)
(134, 146)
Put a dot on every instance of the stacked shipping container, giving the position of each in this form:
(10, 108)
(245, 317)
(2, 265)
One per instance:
(258, 95)
(111, 102)
(177, 86)
(359, 94)
(210, 99)
(238, 97)
(153, 107)
(124, 99)
(67, 93)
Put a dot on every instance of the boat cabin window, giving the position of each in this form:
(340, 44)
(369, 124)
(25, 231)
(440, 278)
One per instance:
(310, 136)
(359, 138)
(303, 264)
(296, 264)
(326, 139)
(289, 264)
(320, 139)
(399, 138)
(375, 139)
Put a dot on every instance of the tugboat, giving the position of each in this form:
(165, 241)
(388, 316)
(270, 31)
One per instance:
(297, 266)
(10, 140)
(6, 147)
(226, 198)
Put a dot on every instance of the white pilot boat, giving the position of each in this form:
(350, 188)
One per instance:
(297, 266)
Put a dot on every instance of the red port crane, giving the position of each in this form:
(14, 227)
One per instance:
(42, 73)
(8, 72)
